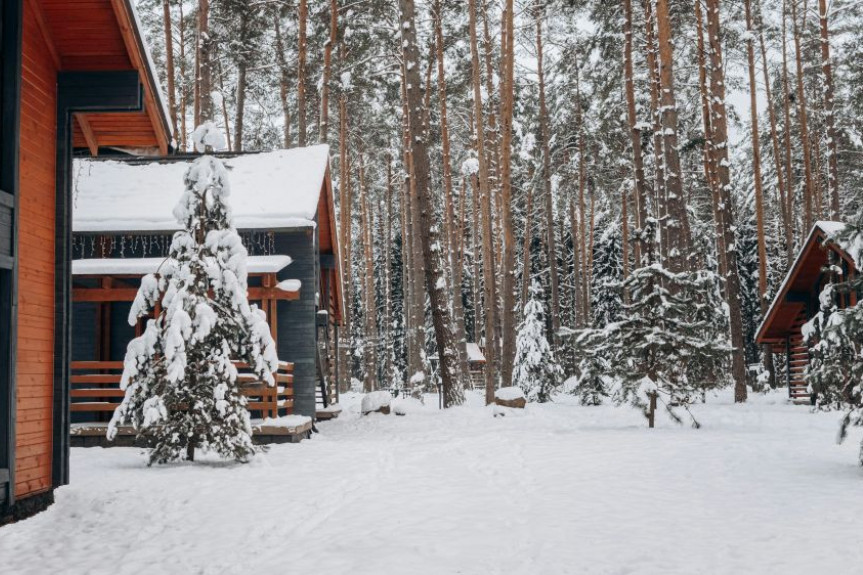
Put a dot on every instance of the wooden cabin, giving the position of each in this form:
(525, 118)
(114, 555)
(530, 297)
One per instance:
(74, 76)
(797, 302)
(282, 204)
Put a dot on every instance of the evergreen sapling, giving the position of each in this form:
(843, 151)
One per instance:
(179, 378)
(535, 370)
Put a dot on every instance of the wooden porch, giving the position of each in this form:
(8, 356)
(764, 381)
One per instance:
(96, 393)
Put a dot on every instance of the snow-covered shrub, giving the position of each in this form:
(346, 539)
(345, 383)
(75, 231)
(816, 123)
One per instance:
(180, 382)
(535, 370)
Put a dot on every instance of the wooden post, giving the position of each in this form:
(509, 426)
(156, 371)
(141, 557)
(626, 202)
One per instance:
(651, 413)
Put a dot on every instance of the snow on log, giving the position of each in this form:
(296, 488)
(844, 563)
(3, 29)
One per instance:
(376, 401)
(510, 397)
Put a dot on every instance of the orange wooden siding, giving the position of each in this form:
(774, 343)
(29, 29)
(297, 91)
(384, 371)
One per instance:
(35, 375)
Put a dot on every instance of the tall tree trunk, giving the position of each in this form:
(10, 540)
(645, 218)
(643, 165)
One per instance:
(283, 83)
(546, 178)
(652, 58)
(205, 65)
(710, 173)
(485, 201)
(302, 16)
(169, 61)
(450, 366)
(388, 279)
(181, 138)
(345, 229)
(582, 207)
(675, 223)
(506, 115)
(759, 192)
(720, 150)
(635, 136)
(777, 155)
(832, 144)
(242, 67)
(802, 116)
(328, 66)
(786, 108)
(370, 310)
(451, 224)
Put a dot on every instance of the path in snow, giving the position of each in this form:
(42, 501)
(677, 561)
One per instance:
(761, 488)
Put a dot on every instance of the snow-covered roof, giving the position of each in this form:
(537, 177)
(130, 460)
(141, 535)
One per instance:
(270, 190)
(143, 266)
(474, 353)
(830, 229)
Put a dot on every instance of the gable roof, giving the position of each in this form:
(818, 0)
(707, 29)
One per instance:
(270, 190)
(802, 276)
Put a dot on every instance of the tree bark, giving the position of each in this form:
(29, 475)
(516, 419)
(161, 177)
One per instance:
(786, 108)
(802, 116)
(759, 192)
(302, 16)
(720, 150)
(550, 242)
(832, 144)
(508, 271)
(489, 303)
(635, 136)
(675, 223)
(205, 67)
(710, 173)
(370, 310)
(169, 61)
(328, 66)
(242, 67)
(777, 154)
(448, 352)
(181, 138)
(283, 82)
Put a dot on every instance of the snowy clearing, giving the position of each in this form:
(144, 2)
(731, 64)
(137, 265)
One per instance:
(761, 488)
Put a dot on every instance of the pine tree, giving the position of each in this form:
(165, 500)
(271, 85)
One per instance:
(535, 370)
(180, 382)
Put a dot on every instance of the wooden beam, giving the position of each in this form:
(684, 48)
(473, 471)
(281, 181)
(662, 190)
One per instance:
(34, 7)
(89, 136)
(128, 294)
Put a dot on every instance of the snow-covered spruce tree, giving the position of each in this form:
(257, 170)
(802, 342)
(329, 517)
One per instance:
(835, 373)
(670, 343)
(180, 382)
(535, 370)
(607, 272)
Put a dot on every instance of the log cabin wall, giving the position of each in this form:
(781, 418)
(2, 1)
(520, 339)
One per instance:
(35, 381)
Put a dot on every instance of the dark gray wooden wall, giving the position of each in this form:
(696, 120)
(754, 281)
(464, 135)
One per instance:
(297, 336)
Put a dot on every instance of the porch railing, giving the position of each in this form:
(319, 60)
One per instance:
(96, 389)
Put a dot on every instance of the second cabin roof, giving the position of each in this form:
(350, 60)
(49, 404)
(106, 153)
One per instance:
(270, 190)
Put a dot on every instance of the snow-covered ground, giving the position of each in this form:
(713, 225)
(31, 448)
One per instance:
(761, 488)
